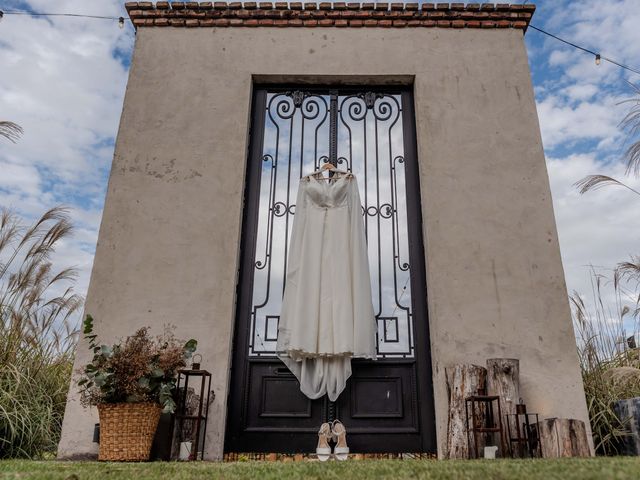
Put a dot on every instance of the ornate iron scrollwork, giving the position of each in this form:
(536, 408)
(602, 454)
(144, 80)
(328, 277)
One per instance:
(297, 96)
(370, 98)
(359, 132)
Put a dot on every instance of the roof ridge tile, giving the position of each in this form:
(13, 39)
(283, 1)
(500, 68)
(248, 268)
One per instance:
(327, 14)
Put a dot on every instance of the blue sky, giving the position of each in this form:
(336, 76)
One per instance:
(63, 80)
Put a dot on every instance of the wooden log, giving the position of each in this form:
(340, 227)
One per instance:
(563, 437)
(503, 380)
(463, 380)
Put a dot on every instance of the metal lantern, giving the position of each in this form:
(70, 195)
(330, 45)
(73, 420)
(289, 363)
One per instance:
(194, 390)
(485, 419)
(523, 433)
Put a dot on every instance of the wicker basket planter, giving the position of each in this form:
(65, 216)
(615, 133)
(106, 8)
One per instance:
(127, 430)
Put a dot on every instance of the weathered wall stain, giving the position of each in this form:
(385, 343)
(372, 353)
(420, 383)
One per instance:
(161, 169)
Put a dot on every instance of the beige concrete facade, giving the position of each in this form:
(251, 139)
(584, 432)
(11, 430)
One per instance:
(168, 250)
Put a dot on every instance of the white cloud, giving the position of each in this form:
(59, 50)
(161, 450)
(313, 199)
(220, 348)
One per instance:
(63, 82)
(21, 178)
(580, 99)
(610, 26)
(579, 114)
(597, 228)
(564, 121)
(559, 57)
(577, 92)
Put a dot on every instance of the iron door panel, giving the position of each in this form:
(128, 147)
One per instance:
(275, 401)
(387, 405)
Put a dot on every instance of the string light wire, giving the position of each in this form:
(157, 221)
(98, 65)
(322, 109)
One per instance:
(60, 15)
(120, 20)
(598, 57)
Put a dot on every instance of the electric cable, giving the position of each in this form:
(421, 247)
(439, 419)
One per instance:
(120, 20)
(598, 57)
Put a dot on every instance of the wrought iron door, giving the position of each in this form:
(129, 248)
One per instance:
(387, 405)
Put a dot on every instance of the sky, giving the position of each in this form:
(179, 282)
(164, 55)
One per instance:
(63, 80)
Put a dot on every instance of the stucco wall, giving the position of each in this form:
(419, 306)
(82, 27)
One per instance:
(169, 240)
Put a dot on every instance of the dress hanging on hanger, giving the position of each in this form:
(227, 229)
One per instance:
(327, 311)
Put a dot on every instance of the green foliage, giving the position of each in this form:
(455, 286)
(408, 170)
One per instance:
(36, 340)
(610, 367)
(139, 369)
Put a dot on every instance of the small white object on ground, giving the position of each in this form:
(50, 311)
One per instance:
(490, 452)
(185, 450)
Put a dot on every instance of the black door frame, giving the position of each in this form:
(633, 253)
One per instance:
(237, 401)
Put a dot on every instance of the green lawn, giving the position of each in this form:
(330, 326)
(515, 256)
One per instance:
(565, 469)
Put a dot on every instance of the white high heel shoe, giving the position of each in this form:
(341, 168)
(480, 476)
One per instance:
(341, 450)
(323, 450)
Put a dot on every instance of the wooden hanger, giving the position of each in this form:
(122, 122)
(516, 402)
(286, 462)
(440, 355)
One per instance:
(327, 166)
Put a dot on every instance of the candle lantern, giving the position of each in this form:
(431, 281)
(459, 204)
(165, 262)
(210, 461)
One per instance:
(194, 390)
(195, 361)
(484, 420)
(523, 433)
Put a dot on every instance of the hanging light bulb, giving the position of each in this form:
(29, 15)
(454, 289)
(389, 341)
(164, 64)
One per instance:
(597, 59)
(121, 22)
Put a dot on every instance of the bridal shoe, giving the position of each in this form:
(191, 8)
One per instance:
(323, 450)
(339, 433)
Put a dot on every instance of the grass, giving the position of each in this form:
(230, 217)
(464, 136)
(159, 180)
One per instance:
(600, 468)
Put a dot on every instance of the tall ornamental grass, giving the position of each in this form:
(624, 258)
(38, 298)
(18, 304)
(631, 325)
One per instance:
(36, 341)
(607, 335)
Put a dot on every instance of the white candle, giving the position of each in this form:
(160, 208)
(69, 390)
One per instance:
(490, 451)
(185, 450)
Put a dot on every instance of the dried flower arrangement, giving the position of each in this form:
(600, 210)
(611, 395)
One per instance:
(138, 369)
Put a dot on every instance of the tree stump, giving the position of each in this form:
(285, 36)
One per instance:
(563, 437)
(463, 380)
(503, 380)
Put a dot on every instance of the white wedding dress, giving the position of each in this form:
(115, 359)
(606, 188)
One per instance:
(327, 313)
